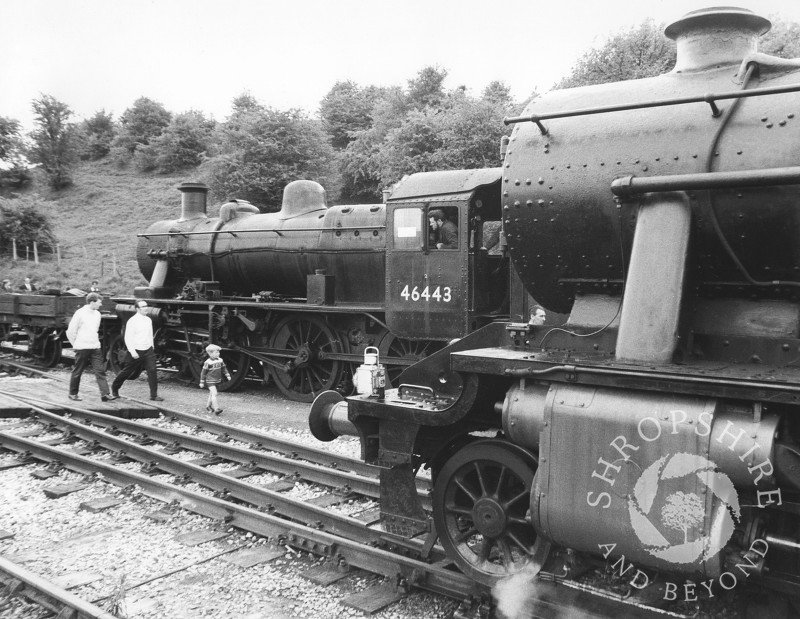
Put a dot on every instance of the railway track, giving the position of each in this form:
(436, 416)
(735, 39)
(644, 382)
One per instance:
(244, 479)
(102, 448)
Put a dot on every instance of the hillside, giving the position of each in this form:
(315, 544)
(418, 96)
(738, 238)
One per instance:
(96, 222)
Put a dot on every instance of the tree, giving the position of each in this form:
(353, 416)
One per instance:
(261, 150)
(183, 144)
(21, 220)
(55, 140)
(14, 170)
(347, 109)
(641, 51)
(783, 39)
(426, 90)
(98, 134)
(142, 122)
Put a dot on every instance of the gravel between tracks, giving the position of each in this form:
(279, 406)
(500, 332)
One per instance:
(123, 548)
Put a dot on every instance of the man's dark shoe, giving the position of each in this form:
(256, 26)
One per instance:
(75, 397)
(109, 397)
(157, 398)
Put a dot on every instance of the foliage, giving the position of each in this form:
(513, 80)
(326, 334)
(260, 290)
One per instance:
(14, 171)
(185, 143)
(426, 90)
(783, 39)
(140, 124)
(642, 51)
(21, 219)
(346, 109)
(425, 129)
(261, 150)
(55, 140)
(97, 135)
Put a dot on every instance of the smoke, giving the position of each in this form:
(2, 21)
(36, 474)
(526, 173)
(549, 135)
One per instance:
(515, 594)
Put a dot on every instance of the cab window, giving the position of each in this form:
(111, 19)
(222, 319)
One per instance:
(443, 227)
(408, 228)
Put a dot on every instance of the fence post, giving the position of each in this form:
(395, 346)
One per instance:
(35, 253)
(14, 248)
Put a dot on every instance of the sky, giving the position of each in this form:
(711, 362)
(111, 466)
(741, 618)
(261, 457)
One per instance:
(200, 54)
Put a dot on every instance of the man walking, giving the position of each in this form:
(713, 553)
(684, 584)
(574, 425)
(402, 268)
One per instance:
(82, 334)
(139, 342)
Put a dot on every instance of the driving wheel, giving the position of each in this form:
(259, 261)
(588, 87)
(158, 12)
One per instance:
(307, 372)
(480, 505)
(393, 347)
(237, 362)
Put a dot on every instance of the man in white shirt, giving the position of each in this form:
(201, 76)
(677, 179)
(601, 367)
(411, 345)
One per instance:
(139, 342)
(82, 334)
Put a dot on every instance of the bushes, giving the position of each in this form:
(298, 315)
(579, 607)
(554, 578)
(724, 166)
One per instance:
(20, 219)
(183, 144)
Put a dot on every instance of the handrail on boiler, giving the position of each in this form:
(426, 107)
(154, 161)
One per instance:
(711, 99)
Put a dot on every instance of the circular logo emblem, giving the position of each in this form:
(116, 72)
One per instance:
(669, 504)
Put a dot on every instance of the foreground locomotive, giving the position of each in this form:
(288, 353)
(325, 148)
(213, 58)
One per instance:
(650, 446)
(301, 294)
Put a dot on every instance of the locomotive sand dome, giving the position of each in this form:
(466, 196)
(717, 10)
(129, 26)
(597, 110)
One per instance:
(650, 446)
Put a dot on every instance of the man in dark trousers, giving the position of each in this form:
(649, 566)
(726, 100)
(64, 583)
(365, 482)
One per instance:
(139, 342)
(82, 334)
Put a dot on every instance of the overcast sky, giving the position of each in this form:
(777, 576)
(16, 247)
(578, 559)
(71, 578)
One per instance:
(200, 54)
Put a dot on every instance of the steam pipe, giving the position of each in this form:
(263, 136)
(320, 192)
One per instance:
(632, 185)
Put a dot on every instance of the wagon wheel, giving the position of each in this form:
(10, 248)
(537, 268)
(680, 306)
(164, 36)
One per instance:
(306, 340)
(480, 506)
(237, 362)
(46, 347)
(393, 347)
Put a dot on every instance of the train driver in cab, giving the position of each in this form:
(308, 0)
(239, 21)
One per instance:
(445, 232)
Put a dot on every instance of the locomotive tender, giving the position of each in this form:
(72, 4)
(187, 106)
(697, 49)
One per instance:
(301, 293)
(651, 444)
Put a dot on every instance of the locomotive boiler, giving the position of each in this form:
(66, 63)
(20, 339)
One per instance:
(300, 294)
(649, 447)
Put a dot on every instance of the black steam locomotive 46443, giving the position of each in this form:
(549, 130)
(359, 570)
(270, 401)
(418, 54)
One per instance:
(650, 445)
(302, 293)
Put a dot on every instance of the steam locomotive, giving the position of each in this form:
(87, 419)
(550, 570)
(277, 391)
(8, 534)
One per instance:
(301, 294)
(649, 447)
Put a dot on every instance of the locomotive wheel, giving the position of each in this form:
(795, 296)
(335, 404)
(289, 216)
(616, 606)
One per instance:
(480, 502)
(116, 355)
(306, 339)
(393, 347)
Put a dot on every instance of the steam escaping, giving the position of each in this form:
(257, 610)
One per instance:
(515, 594)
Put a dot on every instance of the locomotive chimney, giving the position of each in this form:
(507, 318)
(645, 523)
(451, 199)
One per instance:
(715, 36)
(193, 200)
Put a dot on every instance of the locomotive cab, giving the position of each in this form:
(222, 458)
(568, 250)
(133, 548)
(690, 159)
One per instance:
(442, 227)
